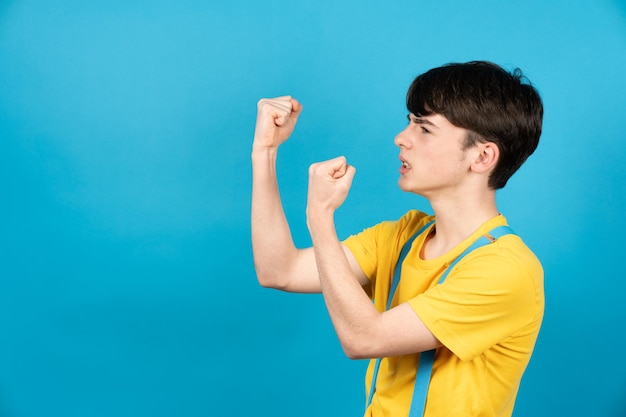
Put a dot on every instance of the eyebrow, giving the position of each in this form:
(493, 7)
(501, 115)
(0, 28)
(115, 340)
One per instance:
(420, 120)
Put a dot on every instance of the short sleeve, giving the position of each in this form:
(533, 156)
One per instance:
(489, 295)
(377, 248)
(364, 247)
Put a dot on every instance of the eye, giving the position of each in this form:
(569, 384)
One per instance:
(419, 122)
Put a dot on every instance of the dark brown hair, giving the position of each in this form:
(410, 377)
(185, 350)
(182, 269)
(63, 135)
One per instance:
(491, 103)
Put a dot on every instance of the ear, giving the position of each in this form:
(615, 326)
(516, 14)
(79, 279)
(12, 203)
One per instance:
(486, 158)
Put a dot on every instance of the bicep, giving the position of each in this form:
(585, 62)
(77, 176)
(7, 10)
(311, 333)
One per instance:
(304, 276)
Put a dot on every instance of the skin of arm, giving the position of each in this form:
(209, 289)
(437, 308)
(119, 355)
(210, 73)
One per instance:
(278, 263)
(329, 266)
(362, 330)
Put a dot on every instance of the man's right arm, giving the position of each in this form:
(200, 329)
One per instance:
(278, 263)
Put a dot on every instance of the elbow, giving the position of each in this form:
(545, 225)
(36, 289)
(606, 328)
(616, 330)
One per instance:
(356, 348)
(362, 340)
(270, 283)
(263, 282)
(268, 279)
(353, 354)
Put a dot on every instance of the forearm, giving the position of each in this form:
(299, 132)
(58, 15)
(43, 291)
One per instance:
(351, 310)
(272, 243)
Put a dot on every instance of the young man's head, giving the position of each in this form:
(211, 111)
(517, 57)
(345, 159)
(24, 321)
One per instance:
(491, 103)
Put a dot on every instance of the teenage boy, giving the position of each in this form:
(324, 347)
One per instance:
(470, 127)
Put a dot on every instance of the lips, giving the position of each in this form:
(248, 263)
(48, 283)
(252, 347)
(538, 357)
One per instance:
(405, 167)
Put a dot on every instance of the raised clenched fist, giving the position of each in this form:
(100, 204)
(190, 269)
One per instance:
(276, 119)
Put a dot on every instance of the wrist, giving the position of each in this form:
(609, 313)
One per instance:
(263, 153)
(320, 218)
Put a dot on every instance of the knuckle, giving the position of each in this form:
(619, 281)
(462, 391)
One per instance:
(265, 103)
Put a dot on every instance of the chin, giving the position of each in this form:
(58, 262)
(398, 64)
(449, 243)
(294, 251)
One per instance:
(409, 189)
(403, 186)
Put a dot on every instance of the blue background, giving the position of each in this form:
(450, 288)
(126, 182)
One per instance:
(127, 286)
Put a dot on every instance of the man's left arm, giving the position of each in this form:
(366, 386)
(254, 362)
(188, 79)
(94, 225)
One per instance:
(362, 330)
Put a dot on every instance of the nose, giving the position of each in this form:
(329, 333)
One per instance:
(401, 139)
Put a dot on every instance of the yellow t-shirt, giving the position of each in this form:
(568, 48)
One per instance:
(487, 314)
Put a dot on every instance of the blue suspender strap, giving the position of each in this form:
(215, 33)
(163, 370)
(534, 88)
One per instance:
(398, 268)
(494, 234)
(424, 370)
(422, 381)
(392, 291)
(425, 366)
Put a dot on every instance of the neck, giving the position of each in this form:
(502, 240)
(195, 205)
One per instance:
(457, 219)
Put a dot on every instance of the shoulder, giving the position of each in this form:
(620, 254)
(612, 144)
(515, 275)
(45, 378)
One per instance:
(511, 253)
(506, 254)
(379, 244)
(403, 227)
(506, 268)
